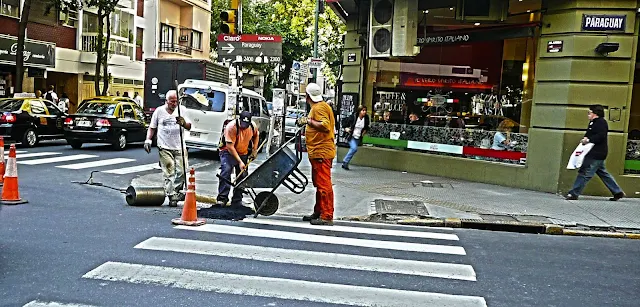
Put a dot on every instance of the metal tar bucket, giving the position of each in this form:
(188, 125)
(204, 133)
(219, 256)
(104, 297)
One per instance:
(145, 196)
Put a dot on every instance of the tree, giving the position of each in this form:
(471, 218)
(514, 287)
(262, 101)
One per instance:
(105, 8)
(22, 31)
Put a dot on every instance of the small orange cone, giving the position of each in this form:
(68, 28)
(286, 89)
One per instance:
(1, 160)
(10, 193)
(189, 210)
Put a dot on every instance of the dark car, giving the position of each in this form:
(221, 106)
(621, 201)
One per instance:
(106, 121)
(30, 120)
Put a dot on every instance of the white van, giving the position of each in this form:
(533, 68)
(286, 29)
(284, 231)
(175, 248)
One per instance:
(208, 120)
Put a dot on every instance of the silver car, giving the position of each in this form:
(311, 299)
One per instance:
(290, 127)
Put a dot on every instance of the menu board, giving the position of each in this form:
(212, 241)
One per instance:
(348, 103)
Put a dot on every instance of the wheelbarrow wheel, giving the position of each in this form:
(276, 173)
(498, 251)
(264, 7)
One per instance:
(270, 203)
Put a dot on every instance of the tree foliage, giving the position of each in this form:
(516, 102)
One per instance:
(294, 21)
(104, 10)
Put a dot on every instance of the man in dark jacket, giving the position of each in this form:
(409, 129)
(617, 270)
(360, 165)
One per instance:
(594, 161)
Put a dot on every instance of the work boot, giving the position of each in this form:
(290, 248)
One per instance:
(308, 218)
(222, 203)
(322, 222)
(173, 203)
(617, 196)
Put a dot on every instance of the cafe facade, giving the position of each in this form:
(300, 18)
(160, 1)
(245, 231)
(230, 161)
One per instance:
(447, 82)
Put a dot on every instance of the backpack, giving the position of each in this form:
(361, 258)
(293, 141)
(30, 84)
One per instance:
(223, 140)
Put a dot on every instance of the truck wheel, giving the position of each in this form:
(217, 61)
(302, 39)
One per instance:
(30, 138)
(121, 142)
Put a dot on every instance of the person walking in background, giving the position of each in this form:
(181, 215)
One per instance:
(357, 127)
(117, 93)
(234, 155)
(51, 95)
(63, 104)
(125, 95)
(594, 160)
(320, 138)
(138, 99)
(171, 148)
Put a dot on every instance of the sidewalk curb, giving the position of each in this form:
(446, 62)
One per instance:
(520, 227)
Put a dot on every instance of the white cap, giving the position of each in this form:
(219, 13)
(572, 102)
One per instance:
(314, 92)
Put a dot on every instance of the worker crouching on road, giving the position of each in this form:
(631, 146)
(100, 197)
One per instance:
(320, 140)
(234, 154)
(171, 146)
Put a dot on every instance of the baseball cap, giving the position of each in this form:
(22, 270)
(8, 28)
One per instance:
(245, 119)
(314, 92)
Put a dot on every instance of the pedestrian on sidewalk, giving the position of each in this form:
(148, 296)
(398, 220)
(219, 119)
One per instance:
(171, 148)
(594, 160)
(234, 155)
(320, 139)
(357, 127)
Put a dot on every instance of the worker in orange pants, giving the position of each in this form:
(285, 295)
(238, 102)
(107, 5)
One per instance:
(320, 139)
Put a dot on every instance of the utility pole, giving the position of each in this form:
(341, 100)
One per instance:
(315, 39)
(239, 74)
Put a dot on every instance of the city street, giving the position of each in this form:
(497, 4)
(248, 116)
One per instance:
(82, 245)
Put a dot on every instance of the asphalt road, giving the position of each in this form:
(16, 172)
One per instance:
(79, 244)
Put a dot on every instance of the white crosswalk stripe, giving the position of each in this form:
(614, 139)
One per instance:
(98, 163)
(36, 154)
(53, 304)
(56, 159)
(292, 233)
(133, 169)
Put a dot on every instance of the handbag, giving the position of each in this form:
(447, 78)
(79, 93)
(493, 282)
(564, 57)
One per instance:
(577, 157)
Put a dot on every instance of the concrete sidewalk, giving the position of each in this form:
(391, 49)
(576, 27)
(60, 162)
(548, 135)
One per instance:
(368, 192)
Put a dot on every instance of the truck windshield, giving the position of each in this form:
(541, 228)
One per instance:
(102, 108)
(10, 105)
(215, 99)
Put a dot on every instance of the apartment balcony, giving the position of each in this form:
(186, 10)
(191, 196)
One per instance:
(175, 48)
(116, 45)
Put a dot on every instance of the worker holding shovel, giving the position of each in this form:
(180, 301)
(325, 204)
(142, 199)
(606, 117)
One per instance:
(234, 154)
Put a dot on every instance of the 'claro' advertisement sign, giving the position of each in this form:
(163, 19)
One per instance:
(36, 54)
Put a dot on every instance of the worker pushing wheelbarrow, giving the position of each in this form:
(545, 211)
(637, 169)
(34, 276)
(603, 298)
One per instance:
(281, 168)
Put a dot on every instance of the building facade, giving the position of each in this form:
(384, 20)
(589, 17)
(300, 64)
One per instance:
(496, 93)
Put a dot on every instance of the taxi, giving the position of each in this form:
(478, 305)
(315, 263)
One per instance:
(28, 120)
(112, 121)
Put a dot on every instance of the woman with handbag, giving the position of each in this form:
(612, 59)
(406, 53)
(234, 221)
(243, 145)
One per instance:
(356, 127)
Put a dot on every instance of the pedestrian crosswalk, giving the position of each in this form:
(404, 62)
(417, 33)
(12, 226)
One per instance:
(118, 166)
(353, 249)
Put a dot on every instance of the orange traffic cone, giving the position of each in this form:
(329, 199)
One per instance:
(10, 193)
(189, 210)
(1, 160)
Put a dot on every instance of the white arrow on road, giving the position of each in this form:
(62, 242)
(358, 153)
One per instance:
(228, 49)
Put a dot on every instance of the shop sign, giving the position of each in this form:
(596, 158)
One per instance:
(475, 36)
(554, 46)
(604, 22)
(351, 57)
(35, 53)
(422, 81)
(390, 101)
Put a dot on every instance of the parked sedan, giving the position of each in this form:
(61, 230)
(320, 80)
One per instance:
(100, 121)
(29, 120)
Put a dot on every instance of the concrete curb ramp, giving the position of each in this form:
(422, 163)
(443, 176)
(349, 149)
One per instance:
(550, 229)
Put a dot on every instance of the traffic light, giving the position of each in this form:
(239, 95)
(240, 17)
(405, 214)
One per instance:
(228, 24)
(229, 19)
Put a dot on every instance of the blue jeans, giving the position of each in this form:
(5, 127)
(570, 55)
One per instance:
(227, 164)
(589, 168)
(353, 148)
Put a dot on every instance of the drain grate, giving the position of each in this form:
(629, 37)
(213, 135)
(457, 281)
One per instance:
(401, 207)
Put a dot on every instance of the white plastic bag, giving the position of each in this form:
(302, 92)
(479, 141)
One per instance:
(577, 157)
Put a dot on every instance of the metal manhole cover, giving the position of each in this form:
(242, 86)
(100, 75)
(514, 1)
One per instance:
(410, 207)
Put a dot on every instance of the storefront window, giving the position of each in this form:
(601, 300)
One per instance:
(10, 8)
(632, 160)
(468, 92)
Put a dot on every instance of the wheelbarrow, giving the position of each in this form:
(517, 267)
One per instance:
(280, 169)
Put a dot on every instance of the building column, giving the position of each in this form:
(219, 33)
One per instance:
(568, 81)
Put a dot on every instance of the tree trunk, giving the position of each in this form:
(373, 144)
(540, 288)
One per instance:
(22, 33)
(99, 50)
(105, 61)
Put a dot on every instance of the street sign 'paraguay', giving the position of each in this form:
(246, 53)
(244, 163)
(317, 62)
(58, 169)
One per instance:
(250, 48)
(604, 22)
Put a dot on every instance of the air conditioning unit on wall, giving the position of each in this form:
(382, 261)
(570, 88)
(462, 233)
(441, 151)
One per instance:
(184, 38)
(393, 28)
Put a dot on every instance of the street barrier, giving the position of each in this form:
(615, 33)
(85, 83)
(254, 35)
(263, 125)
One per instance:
(10, 193)
(189, 209)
